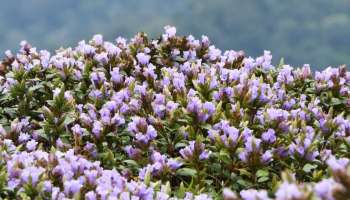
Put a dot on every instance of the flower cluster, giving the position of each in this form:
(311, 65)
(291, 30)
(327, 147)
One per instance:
(170, 118)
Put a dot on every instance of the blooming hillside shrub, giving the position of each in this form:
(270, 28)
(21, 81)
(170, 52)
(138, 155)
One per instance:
(170, 118)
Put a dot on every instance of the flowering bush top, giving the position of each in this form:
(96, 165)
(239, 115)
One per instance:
(170, 118)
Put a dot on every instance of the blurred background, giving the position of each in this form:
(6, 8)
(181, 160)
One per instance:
(312, 31)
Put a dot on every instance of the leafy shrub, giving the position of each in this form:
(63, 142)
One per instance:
(170, 118)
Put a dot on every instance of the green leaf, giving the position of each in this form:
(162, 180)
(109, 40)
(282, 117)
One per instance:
(131, 163)
(309, 167)
(205, 126)
(244, 183)
(245, 172)
(263, 179)
(181, 191)
(262, 173)
(186, 172)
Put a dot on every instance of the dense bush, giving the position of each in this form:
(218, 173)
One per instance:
(170, 118)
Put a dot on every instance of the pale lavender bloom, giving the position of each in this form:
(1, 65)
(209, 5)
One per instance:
(204, 155)
(77, 130)
(194, 149)
(214, 53)
(97, 128)
(243, 156)
(86, 49)
(179, 81)
(143, 58)
(149, 71)
(174, 164)
(265, 61)
(91, 195)
(102, 57)
(96, 94)
(266, 157)
(228, 194)
(86, 119)
(116, 77)
(91, 176)
(205, 40)
(31, 175)
(141, 89)
(31, 145)
(23, 137)
(269, 136)
(252, 194)
(133, 153)
(277, 114)
(170, 31)
(252, 144)
(209, 107)
(285, 75)
(247, 133)
(45, 58)
(97, 77)
(47, 186)
(325, 189)
(112, 49)
(288, 191)
(337, 164)
(13, 183)
(194, 105)
(202, 197)
(68, 96)
(159, 99)
(118, 120)
(151, 132)
(71, 187)
(97, 39)
(171, 106)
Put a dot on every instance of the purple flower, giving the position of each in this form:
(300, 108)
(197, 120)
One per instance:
(91, 176)
(116, 77)
(337, 164)
(170, 31)
(31, 145)
(97, 129)
(77, 130)
(112, 49)
(325, 189)
(133, 153)
(266, 157)
(269, 136)
(171, 106)
(277, 114)
(47, 186)
(97, 39)
(214, 53)
(252, 194)
(228, 194)
(143, 58)
(151, 132)
(288, 191)
(194, 105)
(252, 144)
(31, 175)
(173, 164)
(194, 150)
(91, 195)
(23, 137)
(209, 107)
(71, 187)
